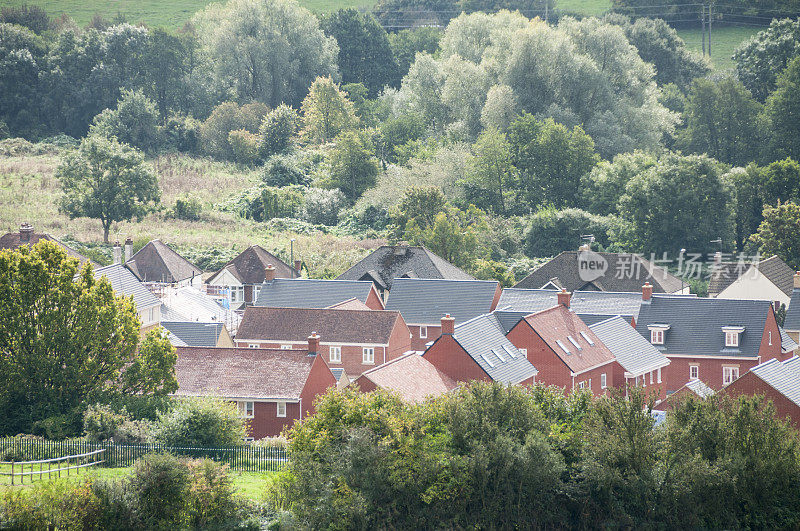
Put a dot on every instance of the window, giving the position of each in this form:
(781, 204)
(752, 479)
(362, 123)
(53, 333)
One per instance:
(575, 343)
(694, 372)
(256, 291)
(657, 337)
(335, 354)
(249, 439)
(659, 375)
(587, 338)
(281, 409)
(731, 339)
(524, 352)
(589, 385)
(603, 381)
(563, 347)
(423, 332)
(368, 355)
(770, 339)
(245, 409)
(582, 385)
(237, 293)
(510, 351)
(286, 347)
(729, 374)
(252, 345)
(496, 353)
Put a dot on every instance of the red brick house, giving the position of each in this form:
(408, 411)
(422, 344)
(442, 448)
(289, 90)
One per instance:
(479, 350)
(693, 388)
(26, 236)
(423, 302)
(778, 381)
(273, 388)
(565, 350)
(411, 376)
(354, 340)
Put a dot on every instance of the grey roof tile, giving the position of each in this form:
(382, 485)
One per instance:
(636, 355)
(787, 343)
(126, 284)
(792, 320)
(311, 293)
(606, 303)
(426, 301)
(195, 334)
(699, 388)
(780, 377)
(775, 269)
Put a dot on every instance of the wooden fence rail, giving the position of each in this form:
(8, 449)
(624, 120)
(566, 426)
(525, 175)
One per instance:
(92, 458)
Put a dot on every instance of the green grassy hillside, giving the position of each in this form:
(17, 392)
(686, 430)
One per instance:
(723, 42)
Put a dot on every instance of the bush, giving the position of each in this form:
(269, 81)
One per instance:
(244, 146)
(100, 422)
(322, 207)
(133, 122)
(227, 117)
(278, 130)
(200, 422)
(212, 499)
(187, 208)
(552, 231)
(286, 170)
(51, 505)
(160, 484)
(182, 133)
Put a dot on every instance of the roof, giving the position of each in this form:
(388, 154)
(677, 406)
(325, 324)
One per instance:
(792, 319)
(621, 275)
(426, 301)
(311, 293)
(636, 355)
(13, 240)
(699, 388)
(696, 324)
(782, 377)
(350, 304)
(775, 269)
(388, 262)
(337, 372)
(787, 343)
(195, 334)
(561, 329)
(484, 340)
(332, 325)
(248, 267)
(157, 262)
(191, 304)
(124, 283)
(242, 372)
(583, 302)
(412, 377)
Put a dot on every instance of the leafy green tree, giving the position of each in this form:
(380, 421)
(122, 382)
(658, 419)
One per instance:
(760, 59)
(106, 180)
(550, 231)
(779, 233)
(167, 67)
(201, 422)
(22, 58)
(64, 335)
(490, 174)
(606, 183)
(278, 131)
(500, 108)
(134, 122)
(153, 369)
(326, 112)
(35, 18)
(365, 55)
(780, 182)
(456, 235)
(226, 117)
(352, 165)
(398, 131)
(746, 186)
(244, 146)
(285, 170)
(408, 42)
(783, 111)
(420, 204)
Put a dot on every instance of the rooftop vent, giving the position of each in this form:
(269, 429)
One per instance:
(489, 363)
(574, 342)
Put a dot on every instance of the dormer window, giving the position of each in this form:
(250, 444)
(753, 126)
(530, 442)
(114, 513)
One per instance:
(657, 333)
(732, 334)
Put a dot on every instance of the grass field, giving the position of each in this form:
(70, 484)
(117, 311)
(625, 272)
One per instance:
(723, 43)
(586, 7)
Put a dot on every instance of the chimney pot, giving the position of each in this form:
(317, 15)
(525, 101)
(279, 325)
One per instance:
(25, 232)
(647, 291)
(117, 253)
(313, 344)
(128, 248)
(563, 297)
(269, 273)
(448, 325)
(797, 280)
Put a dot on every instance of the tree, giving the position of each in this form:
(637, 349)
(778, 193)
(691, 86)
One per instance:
(550, 231)
(606, 183)
(326, 112)
(456, 235)
(22, 57)
(500, 108)
(397, 131)
(134, 122)
(760, 59)
(783, 110)
(365, 55)
(490, 174)
(226, 117)
(166, 69)
(265, 50)
(106, 180)
(64, 335)
(407, 43)
(779, 233)
(352, 164)
(153, 369)
(721, 120)
(780, 182)
(278, 130)
(746, 186)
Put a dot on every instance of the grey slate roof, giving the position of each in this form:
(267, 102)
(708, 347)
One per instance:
(792, 320)
(508, 318)
(636, 355)
(388, 262)
(337, 372)
(787, 343)
(310, 293)
(426, 301)
(696, 324)
(773, 268)
(126, 284)
(156, 262)
(605, 303)
(783, 378)
(482, 334)
(194, 334)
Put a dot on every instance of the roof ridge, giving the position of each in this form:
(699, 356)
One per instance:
(339, 310)
(400, 357)
(444, 280)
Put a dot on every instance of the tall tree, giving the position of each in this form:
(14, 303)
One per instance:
(780, 182)
(134, 122)
(779, 233)
(22, 58)
(352, 164)
(490, 175)
(106, 180)
(326, 112)
(748, 200)
(760, 59)
(783, 110)
(166, 63)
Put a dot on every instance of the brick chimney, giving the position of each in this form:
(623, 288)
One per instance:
(563, 297)
(313, 344)
(25, 232)
(269, 273)
(647, 291)
(117, 252)
(797, 280)
(298, 267)
(448, 325)
(128, 248)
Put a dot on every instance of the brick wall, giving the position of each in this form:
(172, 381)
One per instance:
(265, 421)
(417, 342)
(552, 371)
(320, 380)
(750, 384)
(450, 358)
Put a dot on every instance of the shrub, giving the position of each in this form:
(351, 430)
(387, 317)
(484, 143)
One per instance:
(322, 207)
(160, 485)
(278, 130)
(244, 146)
(5, 132)
(551, 231)
(100, 422)
(51, 505)
(200, 422)
(187, 208)
(133, 122)
(182, 133)
(279, 490)
(285, 170)
(227, 117)
(212, 499)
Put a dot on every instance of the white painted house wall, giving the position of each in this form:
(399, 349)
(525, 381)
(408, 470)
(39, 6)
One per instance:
(754, 286)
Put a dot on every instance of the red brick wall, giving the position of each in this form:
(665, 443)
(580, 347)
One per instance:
(655, 389)
(319, 381)
(448, 356)
(418, 343)
(265, 421)
(552, 371)
(771, 332)
(365, 385)
(750, 384)
(352, 355)
(677, 373)
(248, 294)
(595, 376)
(399, 340)
(374, 301)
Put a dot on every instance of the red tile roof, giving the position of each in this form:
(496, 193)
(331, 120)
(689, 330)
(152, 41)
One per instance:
(242, 372)
(12, 241)
(248, 267)
(558, 324)
(350, 304)
(411, 376)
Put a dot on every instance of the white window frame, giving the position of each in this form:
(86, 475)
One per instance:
(731, 339)
(603, 381)
(657, 337)
(243, 407)
(729, 375)
(659, 375)
(256, 291)
(287, 347)
(335, 354)
(582, 385)
(423, 332)
(694, 369)
(278, 407)
(237, 293)
(249, 439)
(651, 377)
(368, 355)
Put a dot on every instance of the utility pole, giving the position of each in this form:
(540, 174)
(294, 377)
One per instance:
(710, 7)
(703, 22)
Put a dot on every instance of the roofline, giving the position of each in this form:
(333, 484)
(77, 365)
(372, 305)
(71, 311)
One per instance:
(593, 367)
(294, 308)
(523, 320)
(462, 348)
(400, 357)
(333, 343)
(248, 398)
(442, 280)
(711, 356)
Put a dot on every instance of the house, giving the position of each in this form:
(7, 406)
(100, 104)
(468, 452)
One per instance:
(693, 388)
(273, 388)
(779, 381)
(388, 262)
(586, 270)
(240, 279)
(769, 279)
(640, 363)
(355, 340)
(479, 350)
(714, 340)
(125, 284)
(196, 334)
(792, 320)
(26, 236)
(156, 263)
(591, 306)
(316, 293)
(565, 350)
(411, 376)
(423, 302)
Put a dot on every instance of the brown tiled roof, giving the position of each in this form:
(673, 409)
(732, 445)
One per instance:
(350, 304)
(242, 372)
(775, 269)
(12, 241)
(411, 376)
(558, 324)
(333, 325)
(248, 267)
(156, 262)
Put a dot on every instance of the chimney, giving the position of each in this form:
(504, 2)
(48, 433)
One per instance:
(563, 297)
(448, 325)
(647, 291)
(128, 248)
(797, 280)
(313, 344)
(298, 267)
(117, 253)
(269, 273)
(25, 232)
